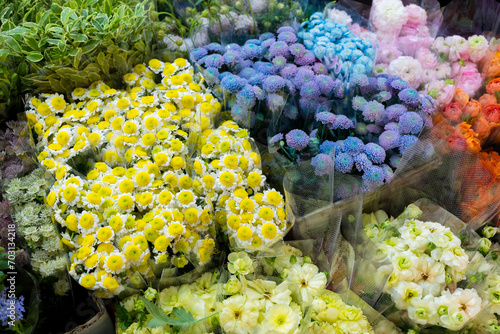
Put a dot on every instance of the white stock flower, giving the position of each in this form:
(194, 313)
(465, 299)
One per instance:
(459, 48)
(423, 310)
(306, 281)
(404, 292)
(408, 69)
(281, 319)
(238, 315)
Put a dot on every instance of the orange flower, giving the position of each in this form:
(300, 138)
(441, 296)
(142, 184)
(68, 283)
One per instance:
(493, 86)
(460, 97)
(453, 112)
(492, 113)
(487, 99)
(494, 66)
(472, 109)
(481, 127)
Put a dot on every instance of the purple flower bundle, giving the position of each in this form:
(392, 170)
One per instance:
(14, 145)
(388, 117)
(269, 69)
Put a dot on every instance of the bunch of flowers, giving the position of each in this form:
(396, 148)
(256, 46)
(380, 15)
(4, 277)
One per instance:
(292, 298)
(267, 70)
(344, 54)
(436, 66)
(11, 311)
(14, 148)
(388, 117)
(34, 223)
(429, 269)
(146, 201)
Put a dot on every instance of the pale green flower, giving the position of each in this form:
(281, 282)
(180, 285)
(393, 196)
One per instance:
(240, 263)
(150, 294)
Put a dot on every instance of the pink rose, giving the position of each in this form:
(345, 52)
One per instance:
(467, 77)
(427, 58)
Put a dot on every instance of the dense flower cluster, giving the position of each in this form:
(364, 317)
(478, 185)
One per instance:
(249, 304)
(267, 70)
(343, 53)
(6, 304)
(34, 222)
(423, 260)
(146, 201)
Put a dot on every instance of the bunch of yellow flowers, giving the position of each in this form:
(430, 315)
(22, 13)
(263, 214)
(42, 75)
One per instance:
(155, 176)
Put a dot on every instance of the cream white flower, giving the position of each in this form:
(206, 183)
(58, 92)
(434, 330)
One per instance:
(238, 315)
(306, 281)
(267, 293)
(407, 68)
(281, 319)
(423, 310)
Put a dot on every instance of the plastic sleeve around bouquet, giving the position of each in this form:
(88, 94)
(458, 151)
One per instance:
(313, 201)
(470, 17)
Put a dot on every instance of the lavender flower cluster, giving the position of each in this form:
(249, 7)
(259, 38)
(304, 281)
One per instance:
(389, 116)
(344, 54)
(268, 69)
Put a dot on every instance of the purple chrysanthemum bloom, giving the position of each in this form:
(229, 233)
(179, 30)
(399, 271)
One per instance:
(382, 82)
(398, 84)
(303, 76)
(297, 139)
(214, 60)
(256, 41)
(231, 56)
(210, 75)
(320, 68)
(358, 102)
(392, 126)
(395, 111)
(265, 67)
(383, 96)
(297, 49)
(289, 71)
(375, 153)
(273, 83)
(232, 83)
(323, 164)
(279, 62)
(373, 178)
(410, 98)
(285, 29)
(274, 143)
(326, 118)
(257, 79)
(388, 172)
(251, 51)
(199, 53)
(373, 111)
(373, 128)
(325, 84)
(287, 37)
(247, 73)
(353, 145)
(411, 123)
(328, 147)
(427, 104)
(275, 102)
(307, 58)
(307, 105)
(342, 122)
(369, 87)
(310, 90)
(279, 49)
(389, 139)
(233, 47)
(359, 79)
(362, 162)
(343, 162)
(291, 111)
(405, 142)
(268, 42)
(259, 93)
(266, 35)
(394, 161)
(361, 129)
(246, 97)
(214, 47)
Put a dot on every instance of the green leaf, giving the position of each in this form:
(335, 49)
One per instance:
(97, 25)
(34, 57)
(89, 46)
(120, 63)
(80, 38)
(31, 42)
(107, 8)
(19, 31)
(13, 44)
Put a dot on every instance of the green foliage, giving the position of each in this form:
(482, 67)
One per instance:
(183, 318)
(74, 43)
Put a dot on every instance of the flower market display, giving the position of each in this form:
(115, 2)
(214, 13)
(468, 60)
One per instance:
(250, 166)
